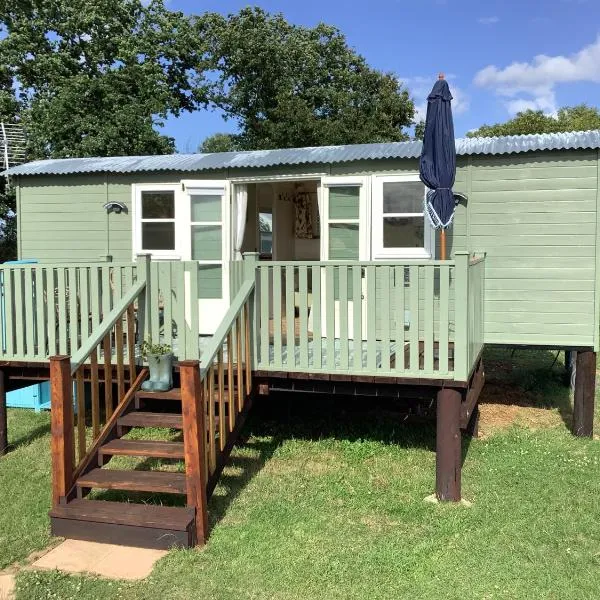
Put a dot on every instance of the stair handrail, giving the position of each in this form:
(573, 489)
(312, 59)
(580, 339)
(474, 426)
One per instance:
(217, 340)
(98, 334)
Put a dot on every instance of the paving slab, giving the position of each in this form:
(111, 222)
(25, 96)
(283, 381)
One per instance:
(7, 586)
(104, 560)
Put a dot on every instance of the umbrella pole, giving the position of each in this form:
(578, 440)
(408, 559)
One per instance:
(442, 244)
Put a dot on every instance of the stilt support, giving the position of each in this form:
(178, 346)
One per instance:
(585, 390)
(3, 416)
(448, 445)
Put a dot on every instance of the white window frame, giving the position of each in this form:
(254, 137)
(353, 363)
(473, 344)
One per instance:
(379, 252)
(137, 220)
(362, 183)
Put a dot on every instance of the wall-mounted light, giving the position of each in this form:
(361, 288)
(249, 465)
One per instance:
(458, 198)
(116, 207)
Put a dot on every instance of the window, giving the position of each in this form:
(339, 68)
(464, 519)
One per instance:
(344, 219)
(155, 209)
(400, 228)
(265, 233)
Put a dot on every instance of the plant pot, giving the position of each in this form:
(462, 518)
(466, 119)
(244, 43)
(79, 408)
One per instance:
(161, 373)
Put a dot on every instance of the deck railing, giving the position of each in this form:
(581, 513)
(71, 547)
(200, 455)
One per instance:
(407, 319)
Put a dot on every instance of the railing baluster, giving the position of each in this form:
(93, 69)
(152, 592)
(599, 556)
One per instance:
(428, 319)
(230, 383)
(444, 313)
(29, 316)
(95, 393)
(40, 319)
(222, 420)
(210, 400)
(107, 292)
(131, 343)
(247, 355)
(277, 301)
(303, 314)
(167, 287)
(385, 318)
(62, 310)
(317, 341)
(51, 310)
(413, 328)
(84, 303)
(193, 339)
(9, 308)
(155, 308)
(371, 318)
(81, 433)
(119, 344)
(108, 395)
(400, 318)
(73, 309)
(330, 316)
(357, 300)
(240, 382)
(19, 321)
(264, 317)
(290, 315)
(344, 344)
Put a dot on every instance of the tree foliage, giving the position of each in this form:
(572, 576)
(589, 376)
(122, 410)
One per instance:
(219, 142)
(569, 118)
(95, 77)
(287, 85)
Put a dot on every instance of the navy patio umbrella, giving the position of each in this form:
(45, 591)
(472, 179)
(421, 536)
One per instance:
(437, 167)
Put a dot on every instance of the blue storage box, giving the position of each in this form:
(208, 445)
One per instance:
(35, 396)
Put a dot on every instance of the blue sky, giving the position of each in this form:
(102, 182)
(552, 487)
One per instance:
(500, 56)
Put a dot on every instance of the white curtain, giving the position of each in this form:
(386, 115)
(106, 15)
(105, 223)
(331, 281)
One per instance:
(241, 205)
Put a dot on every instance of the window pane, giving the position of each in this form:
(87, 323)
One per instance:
(403, 232)
(265, 226)
(158, 236)
(206, 208)
(344, 202)
(206, 242)
(158, 205)
(403, 197)
(210, 281)
(343, 241)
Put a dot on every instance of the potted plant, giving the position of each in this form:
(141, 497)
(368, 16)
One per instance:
(160, 363)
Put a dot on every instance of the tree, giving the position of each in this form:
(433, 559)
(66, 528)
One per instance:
(288, 85)
(219, 142)
(569, 118)
(96, 77)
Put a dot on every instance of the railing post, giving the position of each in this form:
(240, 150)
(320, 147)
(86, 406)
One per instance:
(3, 416)
(194, 444)
(461, 311)
(250, 271)
(145, 302)
(61, 414)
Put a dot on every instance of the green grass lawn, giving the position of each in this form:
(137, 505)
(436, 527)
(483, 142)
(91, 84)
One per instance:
(322, 501)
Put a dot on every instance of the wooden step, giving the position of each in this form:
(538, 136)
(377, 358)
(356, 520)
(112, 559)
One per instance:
(160, 482)
(124, 523)
(151, 419)
(172, 394)
(151, 449)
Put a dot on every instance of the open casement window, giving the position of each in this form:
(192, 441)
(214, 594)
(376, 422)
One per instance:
(156, 214)
(400, 227)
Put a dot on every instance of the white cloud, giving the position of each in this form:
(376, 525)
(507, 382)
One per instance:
(488, 20)
(538, 79)
(420, 87)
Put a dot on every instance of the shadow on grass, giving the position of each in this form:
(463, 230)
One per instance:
(29, 437)
(528, 378)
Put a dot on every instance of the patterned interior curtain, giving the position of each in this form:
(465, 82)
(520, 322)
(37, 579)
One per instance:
(304, 217)
(240, 208)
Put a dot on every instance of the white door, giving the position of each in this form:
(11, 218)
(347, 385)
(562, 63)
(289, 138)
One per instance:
(206, 239)
(344, 236)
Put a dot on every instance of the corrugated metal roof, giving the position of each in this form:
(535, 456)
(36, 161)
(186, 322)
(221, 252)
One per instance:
(257, 159)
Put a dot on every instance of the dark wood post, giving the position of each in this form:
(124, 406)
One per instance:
(61, 414)
(585, 390)
(3, 416)
(194, 444)
(448, 445)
